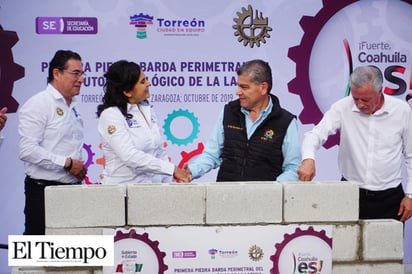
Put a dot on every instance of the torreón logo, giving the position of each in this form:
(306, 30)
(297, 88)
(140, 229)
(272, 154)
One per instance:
(57, 250)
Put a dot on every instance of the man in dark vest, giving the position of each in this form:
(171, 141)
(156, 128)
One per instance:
(255, 139)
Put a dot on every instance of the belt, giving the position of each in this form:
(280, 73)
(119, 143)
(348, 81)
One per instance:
(380, 192)
(41, 182)
(367, 192)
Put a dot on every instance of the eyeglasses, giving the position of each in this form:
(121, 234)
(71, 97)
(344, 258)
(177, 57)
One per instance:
(76, 73)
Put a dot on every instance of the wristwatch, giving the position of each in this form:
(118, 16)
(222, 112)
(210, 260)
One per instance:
(408, 195)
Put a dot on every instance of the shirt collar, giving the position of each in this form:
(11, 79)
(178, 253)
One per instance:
(58, 96)
(132, 106)
(384, 109)
(264, 113)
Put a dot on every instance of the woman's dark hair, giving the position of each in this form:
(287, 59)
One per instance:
(59, 61)
(121, 76)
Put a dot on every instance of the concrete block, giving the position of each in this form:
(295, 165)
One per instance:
(165, 204)
(320, 202)
(373, 268)
(382, 239)
(408, 268)
(244, 203)
(75, 231)
(345, 242)
(84, 206)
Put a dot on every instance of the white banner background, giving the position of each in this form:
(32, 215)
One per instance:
(224, 250)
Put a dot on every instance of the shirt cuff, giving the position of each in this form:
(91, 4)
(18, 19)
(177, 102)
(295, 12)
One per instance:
(169, 168)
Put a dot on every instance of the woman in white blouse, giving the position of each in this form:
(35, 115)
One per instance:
(131, 140)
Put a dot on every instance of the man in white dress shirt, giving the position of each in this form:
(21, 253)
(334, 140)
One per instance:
(375, 133)
(51, 137)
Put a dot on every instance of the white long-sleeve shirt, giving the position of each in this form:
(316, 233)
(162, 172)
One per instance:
(371, 146)
(133, 148)
(50, 131)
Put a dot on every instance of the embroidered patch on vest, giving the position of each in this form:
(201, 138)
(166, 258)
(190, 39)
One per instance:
(268, 135)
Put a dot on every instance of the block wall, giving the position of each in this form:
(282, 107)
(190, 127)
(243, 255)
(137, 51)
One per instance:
(358, 245)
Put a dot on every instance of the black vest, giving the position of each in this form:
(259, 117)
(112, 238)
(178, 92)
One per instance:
(259, 158)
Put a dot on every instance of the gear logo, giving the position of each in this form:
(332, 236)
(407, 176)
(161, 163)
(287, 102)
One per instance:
(255, 253)
(9, 71)
(186, 156)
(313, 249)
(249, 29)
(301, 55)
(88, 163)
(167, 127)
(136, 253)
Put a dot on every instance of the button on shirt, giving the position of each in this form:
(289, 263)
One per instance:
(133, 148)
(210, 158)
(371, 146)
(50, 131)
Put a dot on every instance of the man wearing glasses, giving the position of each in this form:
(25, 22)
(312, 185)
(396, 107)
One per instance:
(51, 137)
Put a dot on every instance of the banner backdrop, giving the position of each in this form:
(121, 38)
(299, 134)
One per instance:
(190, 51)
(271, 249)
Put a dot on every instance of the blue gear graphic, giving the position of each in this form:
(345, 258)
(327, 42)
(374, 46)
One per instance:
(9, 71)
(188, 115)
